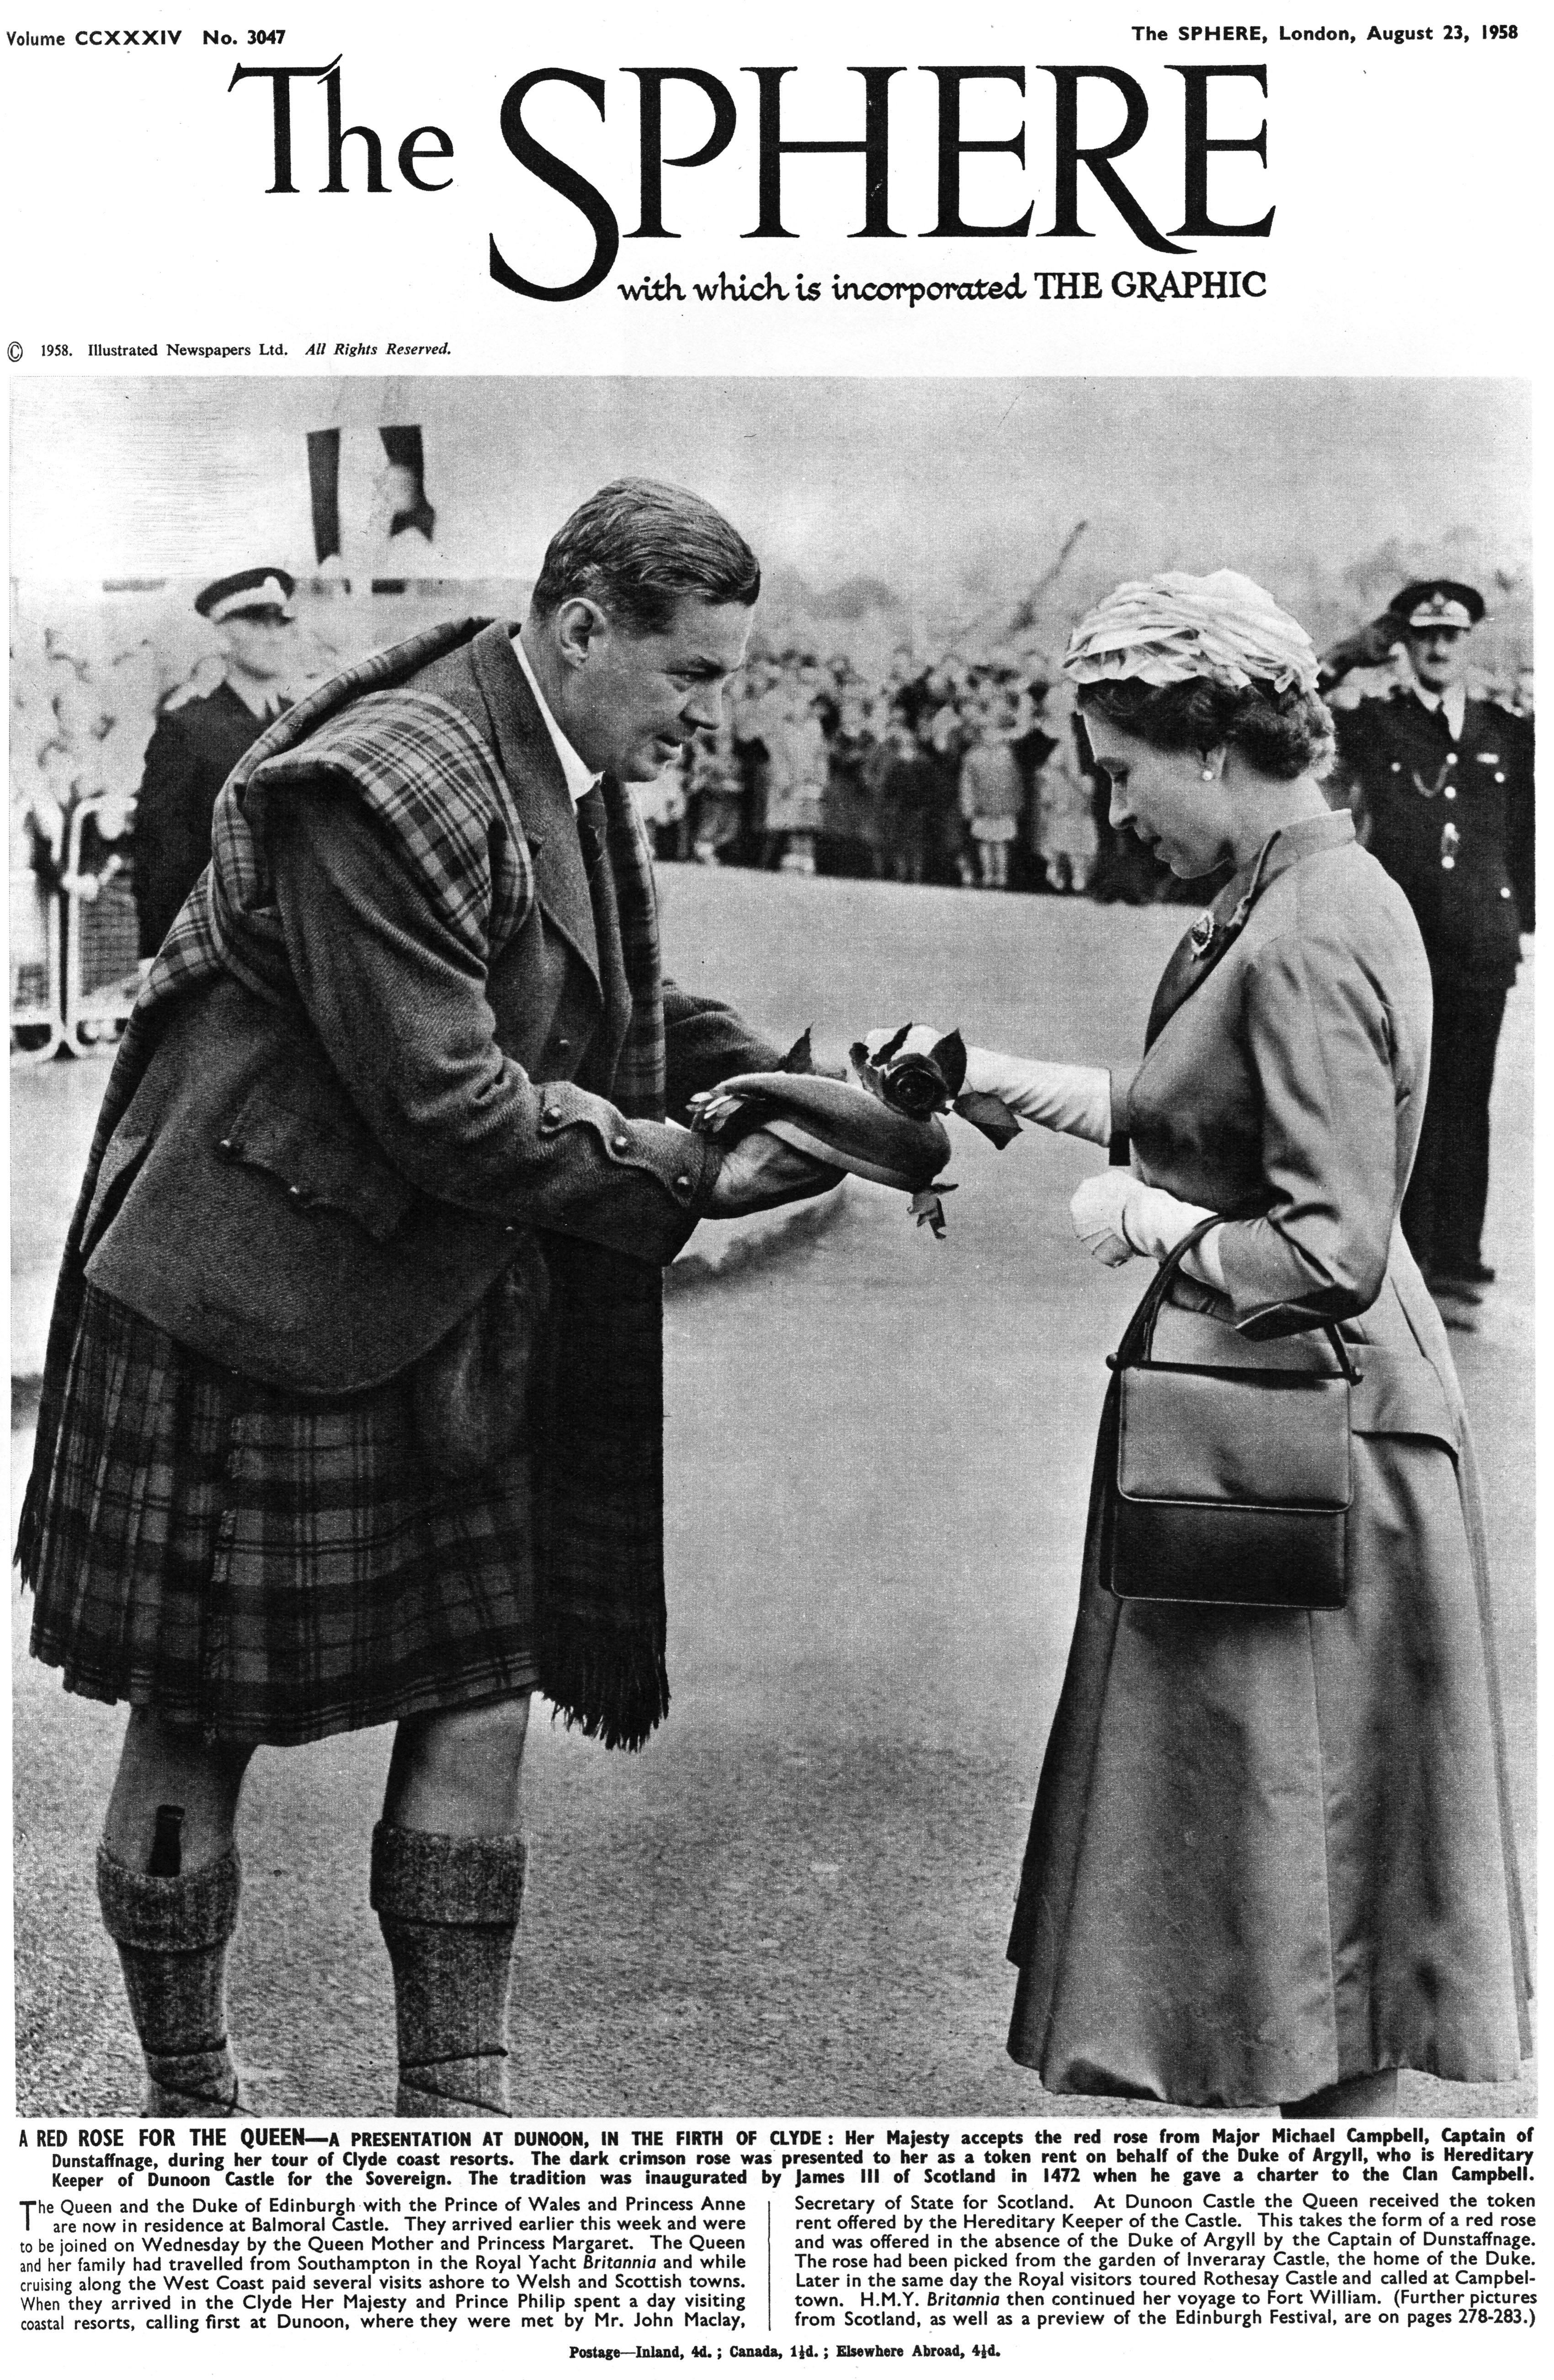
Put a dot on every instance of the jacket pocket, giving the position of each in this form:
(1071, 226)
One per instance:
(121, 1162)
(1400, 1396)
(472, 1389)
(317, 1166)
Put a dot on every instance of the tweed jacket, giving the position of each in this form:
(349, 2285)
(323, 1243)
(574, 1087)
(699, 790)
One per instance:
(394, 1031)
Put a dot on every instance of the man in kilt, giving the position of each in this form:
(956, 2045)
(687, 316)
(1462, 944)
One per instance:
(352, 1409)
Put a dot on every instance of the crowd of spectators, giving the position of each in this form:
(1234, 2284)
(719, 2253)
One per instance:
(944, 772)
(950, 770)
(81, 717)
(91, 676)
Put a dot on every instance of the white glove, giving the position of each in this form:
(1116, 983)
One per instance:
(1075, 1100)
(1117, 1216)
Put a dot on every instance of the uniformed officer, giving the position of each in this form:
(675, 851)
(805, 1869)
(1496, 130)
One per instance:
(197, 743)
(1442, 791)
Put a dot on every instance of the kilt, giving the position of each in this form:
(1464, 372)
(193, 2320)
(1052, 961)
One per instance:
(266, 1567)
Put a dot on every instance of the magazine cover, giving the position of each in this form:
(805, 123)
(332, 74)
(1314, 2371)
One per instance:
(772, 1114)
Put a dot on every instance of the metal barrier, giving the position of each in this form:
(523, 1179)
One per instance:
(37, 986)
(102, 932)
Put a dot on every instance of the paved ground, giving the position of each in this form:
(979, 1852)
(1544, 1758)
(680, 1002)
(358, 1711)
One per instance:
(796, 1899)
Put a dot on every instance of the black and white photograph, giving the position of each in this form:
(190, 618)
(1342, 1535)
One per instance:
(773, 1246)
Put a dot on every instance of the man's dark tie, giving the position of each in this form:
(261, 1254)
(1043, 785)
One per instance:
(592, 824)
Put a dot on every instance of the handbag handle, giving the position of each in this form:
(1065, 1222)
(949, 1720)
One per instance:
(1138, 1343)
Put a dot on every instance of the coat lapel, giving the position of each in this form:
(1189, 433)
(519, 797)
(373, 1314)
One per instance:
(544, 807)
(1210, 937)
(1195, 957)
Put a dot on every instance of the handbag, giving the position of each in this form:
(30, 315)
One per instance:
(1229, 1485)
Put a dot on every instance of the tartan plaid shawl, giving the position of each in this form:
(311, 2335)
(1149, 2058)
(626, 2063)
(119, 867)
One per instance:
(430, 783)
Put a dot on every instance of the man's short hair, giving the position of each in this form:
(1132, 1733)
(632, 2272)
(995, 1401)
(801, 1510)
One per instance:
(635, 547)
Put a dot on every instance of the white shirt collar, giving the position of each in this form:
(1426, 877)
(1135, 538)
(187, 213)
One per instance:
(264, 706)
(1452, 704)
(580, 778)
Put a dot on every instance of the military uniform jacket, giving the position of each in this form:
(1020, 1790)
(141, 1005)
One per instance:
(394, 1031)
(1450, 819)
(192, 752)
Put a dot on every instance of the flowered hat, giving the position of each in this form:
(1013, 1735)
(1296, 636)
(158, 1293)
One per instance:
(1173, 628)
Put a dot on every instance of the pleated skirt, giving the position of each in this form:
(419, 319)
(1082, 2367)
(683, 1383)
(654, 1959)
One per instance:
(266, 1567)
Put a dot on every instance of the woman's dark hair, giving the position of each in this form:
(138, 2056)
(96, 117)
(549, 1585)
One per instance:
(636, 547)
(1288, 734)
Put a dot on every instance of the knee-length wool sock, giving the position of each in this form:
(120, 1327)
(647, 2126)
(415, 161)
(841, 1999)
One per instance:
(172, 1933)
(448, 1906)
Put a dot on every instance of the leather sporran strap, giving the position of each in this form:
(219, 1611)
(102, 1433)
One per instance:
(1138, 1343)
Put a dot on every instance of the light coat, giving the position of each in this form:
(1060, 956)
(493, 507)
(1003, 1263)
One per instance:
(1272, 1849)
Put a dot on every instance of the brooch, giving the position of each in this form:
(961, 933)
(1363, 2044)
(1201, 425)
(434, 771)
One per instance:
(1200, 933)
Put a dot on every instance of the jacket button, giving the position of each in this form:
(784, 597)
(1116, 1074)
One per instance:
(683, 1183)
(225, 1148)
(1505, 891)
(1499, 776)
(294, 1192)
(1450, 792)
(509, 1230)
(563, 1043)
(621, 1142)
(550, 1115)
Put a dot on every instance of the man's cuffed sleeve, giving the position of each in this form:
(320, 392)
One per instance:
(1353, 766)
(705, 1041)
(393, 976)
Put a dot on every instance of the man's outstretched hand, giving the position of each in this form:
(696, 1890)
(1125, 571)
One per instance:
(762, 1171)
(1365, 647)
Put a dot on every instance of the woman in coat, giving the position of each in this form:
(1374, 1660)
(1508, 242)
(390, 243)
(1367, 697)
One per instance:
(1270, 1859)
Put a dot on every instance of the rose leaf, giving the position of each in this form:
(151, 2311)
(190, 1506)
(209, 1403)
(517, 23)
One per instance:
(949, 1056)
(989, 1113)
